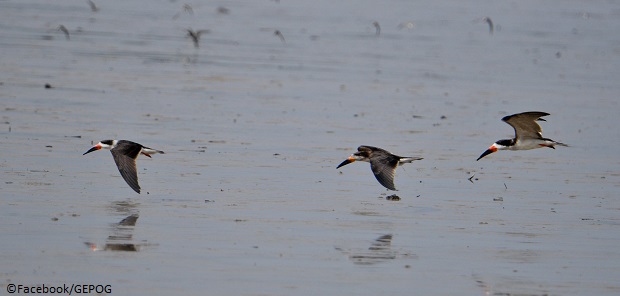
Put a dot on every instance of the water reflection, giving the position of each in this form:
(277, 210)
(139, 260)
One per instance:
(121, 233)
(379, 251)
(488, 289)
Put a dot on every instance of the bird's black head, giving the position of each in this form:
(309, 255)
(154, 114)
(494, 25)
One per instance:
(506, 142)
(362, 154)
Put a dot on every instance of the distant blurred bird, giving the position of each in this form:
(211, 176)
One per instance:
(279, 34)
(92, 5)
(382, 163)
(195, 35)
(377, 28)
(489, 21)
(186, 8)
(64, 30)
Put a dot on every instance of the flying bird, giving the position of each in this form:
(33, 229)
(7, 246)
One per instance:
(377, 28)
(64, 30)
(280, 35)
(195, 36)
(489, 21)
(125, 154)
(92, 5)
(382, 163)
(528, 134)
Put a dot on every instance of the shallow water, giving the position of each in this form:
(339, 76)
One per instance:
(247, 200)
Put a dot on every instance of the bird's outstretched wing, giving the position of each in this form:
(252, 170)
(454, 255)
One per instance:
(126, 162)
(525, 124)
(384, 165)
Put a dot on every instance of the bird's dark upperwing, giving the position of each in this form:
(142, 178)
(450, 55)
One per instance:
(384, 165)
(127, 166)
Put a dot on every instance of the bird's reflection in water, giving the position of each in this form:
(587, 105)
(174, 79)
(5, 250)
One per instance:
(121, 236)
(379, 251)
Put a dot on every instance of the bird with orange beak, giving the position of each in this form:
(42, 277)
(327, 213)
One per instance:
(382, 163)
(528, 134)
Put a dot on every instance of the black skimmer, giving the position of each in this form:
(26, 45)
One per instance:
(125, 154)
(377, 28)
(64, 30)
(528, 134)
(382, 163)
(92, 5)
(195, 35)
(279, 34)
(489, 21)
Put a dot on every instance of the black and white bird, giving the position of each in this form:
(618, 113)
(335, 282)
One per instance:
(528, 134)
(125, 154)
(382, 163)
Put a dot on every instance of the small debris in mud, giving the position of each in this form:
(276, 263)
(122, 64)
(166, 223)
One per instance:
(48, 86)
(393, 197)
(54, 219)
(208, 200)
(197, 150)
(223, 10)
(498, 199)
